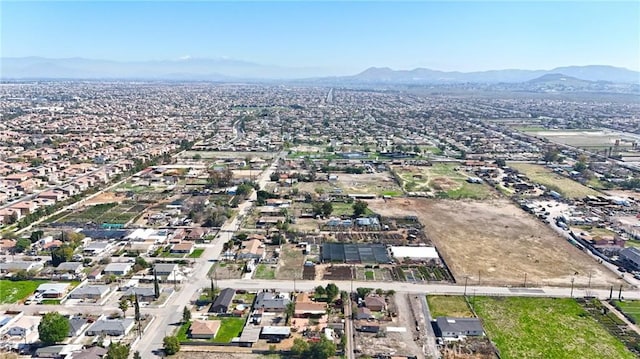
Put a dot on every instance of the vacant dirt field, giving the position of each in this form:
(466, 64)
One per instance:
(106, 197)
(498, 242)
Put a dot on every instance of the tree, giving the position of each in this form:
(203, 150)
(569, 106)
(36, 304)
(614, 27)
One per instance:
(22, 245)
(124, 305)
(171, 345)
(316, 208)
(327, 208)
(299, 347)
(290, 310)
(186, 315)
(36, 236)
(319, 292)
(136, 308)
(360, 208)
(580, 167)
(156, 286)
(551, 155)
(332, 291)
(363, 292)
(322, 349)
(62, 254)
(53, 328)
(136, 355)
(500, 162)
(117, 351)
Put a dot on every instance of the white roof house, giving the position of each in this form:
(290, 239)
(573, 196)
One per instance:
(414, 252)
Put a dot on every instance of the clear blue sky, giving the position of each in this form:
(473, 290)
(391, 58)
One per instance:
(343, 37)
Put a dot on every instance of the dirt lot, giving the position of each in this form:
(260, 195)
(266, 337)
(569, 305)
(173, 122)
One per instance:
(106, 197)
(290, 264)
(499, 241)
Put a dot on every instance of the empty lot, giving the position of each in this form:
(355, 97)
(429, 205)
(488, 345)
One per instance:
(498, 242)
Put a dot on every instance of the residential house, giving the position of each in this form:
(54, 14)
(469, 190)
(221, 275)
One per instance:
(204, 329)
(24, 326)
(448, 327)
(223, 301)
(59, 351)
(95, 352)
(273, 332)
(375, 303)
(20, 265)
(364, 313)
(52, 290)
(252, 249)
(144, 294)
(272, 302)
(69, 267)
(92, 292)
(306, 308)
(117, 268)
(184, 247)
(111, 327)
(166, 271)
(76, 324)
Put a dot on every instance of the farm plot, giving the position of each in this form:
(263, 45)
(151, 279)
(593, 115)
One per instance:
(117, 213)
(545, 328)
(499, 241)
(553, 181)
(442, 180)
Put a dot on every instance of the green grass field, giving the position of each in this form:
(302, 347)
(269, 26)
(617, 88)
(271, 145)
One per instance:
(229, 329)
(631, 308)
(444, 180)
(197, 253)
(448, 306)
(553, 181)
(264, 271)
(524, 328)
(12, 292)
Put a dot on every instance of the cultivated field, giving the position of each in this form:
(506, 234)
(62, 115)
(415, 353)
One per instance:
(498, 242)
(525, 328)
(442, 180)
(118, 213)
(448, 306)
(553, 181)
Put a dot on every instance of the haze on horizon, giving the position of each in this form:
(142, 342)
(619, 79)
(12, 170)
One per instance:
(334, 38)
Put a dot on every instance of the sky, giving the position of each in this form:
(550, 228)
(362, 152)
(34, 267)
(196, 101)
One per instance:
(338, 37)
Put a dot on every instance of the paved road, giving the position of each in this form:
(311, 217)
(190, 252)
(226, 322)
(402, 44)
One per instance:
(431, 349)
(348, 329)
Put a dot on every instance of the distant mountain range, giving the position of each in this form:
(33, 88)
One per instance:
(236, 70)
(420, 75)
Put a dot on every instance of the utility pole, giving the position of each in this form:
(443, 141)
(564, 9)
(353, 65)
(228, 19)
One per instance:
(589, 280)
(525, 279)
(620, 292)
(479, 276)
(610, 292)
(572, 279)
(466, 279)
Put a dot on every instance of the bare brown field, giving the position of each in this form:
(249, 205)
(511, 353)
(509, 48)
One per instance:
(106, 197)
(498, 242)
